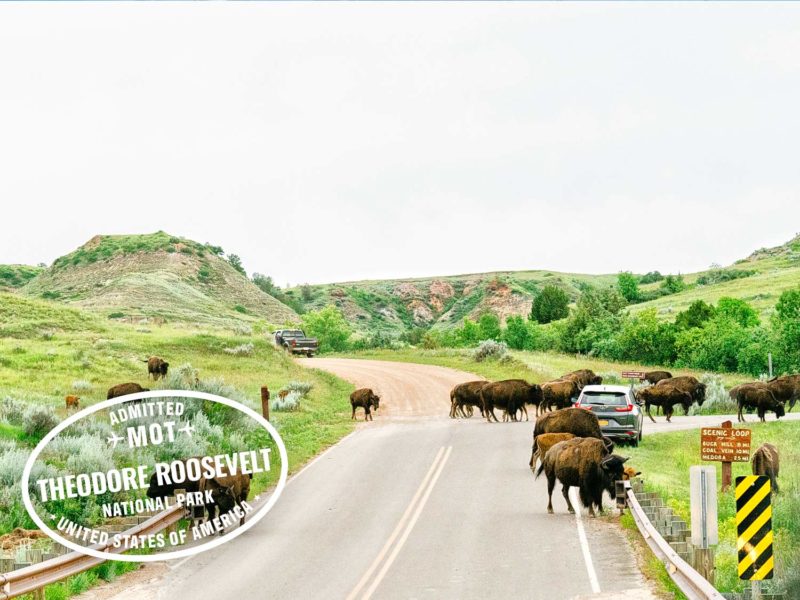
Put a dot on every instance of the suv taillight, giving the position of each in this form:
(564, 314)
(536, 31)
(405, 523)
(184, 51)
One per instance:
(626, 408)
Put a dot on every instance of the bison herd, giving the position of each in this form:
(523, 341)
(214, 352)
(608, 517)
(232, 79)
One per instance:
(764, 396)
(513, 396)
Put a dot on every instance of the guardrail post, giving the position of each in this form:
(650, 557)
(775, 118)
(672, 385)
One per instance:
(38, 594)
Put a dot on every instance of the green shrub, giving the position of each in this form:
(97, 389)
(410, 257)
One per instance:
(290, 402)
(51, 295)
(330, 328)
(116, 315)
(81, 385)
(38, 420)
(301, 387)
(490, 350)
(240, 309)
(242, 350)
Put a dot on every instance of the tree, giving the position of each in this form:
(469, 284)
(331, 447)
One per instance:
(516, 334)
(236, 263)
(468, 334)
(672, 284)
(551, 304)
(489, 325)
(330, 328)
(698, 313)
(266, 284)
(306, 292)
(786, 327)
(628, 286)
(737, 310)
(651, 277)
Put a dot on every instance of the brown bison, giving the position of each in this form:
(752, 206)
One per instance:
(364, 398)
(586, 464)
(123, 389)
(543, 443)
(785, 389)
(760, 397)
(559, 394)
(72, 402)
(156, 367)
(583, 377)
(577, 421)
(227, 492)
(654, 377)
(510, 395)
(464, 396)
(665, 396)
(766, 461)
(687, 383)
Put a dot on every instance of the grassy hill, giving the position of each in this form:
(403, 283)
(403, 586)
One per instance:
(155, 276)
(15, 276)
(395, 306)
(392, 306)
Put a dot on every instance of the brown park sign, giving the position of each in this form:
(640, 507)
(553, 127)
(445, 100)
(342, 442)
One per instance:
(726, 444)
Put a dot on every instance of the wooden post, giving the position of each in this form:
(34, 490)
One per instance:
(703, 563)
(726, 466)
(265, 402)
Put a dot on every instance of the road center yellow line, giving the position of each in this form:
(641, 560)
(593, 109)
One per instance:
(400, 524)
(396, 550)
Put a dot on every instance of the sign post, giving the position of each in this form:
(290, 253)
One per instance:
(725, 444)
(754, 530)
(637, 375)
(703, 498)
(265, 402)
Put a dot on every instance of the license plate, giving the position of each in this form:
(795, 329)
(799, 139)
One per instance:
(603, 422)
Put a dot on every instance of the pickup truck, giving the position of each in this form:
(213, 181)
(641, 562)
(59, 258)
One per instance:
(295, 341)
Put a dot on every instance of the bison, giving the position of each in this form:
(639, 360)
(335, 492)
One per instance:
(123, 389)
(156, 367)
(785, 389)
(227, 492)
(364, 398)
(766, 461)
(654, 377)
(586, 464)
(559, 393)
(760, 397)
(464, 396)
(687, 383)
(511, 395)
(543, 443)
(72, 402)
(665, 396)
(578, 422)
(582, 378)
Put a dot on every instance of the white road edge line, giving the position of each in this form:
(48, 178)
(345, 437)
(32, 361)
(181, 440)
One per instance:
(180, 563)
(379, 577)
(375, 563)
(587, 555)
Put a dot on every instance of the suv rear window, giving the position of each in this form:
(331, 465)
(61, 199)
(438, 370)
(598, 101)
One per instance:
(292, 333)
(604, 399)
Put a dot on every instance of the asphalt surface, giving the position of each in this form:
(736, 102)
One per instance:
(415, 505)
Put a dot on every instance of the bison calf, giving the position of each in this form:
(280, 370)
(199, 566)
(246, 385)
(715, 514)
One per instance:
(364, 398)
(766, 462)
(72, 402)
(542, 443)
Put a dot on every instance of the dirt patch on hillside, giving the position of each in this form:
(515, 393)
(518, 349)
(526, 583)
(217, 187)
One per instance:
(19, 537)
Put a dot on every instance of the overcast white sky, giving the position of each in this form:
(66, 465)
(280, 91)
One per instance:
(348, 141)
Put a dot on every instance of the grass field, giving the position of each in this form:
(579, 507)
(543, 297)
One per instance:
(665, 460)
(86, 355)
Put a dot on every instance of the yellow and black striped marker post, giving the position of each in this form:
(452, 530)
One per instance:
(754, 527)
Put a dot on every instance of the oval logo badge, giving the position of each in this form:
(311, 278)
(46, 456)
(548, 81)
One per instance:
(155, 475)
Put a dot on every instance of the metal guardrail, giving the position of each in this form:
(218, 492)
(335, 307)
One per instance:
(35, 577)
(690, 582)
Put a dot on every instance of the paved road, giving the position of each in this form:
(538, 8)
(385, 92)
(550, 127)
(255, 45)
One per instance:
(412, 505)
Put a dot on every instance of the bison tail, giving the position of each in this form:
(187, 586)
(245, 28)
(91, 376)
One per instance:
(540, 470)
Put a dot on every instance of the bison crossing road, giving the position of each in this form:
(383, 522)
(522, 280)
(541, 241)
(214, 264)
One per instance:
(418, 505)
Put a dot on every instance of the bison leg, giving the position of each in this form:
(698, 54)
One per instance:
(565, 491)
(741, 416)
(668, 410)
(353, 416)
(647, 410)
(551, 483)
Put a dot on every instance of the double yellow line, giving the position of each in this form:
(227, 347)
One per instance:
(401, 532)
